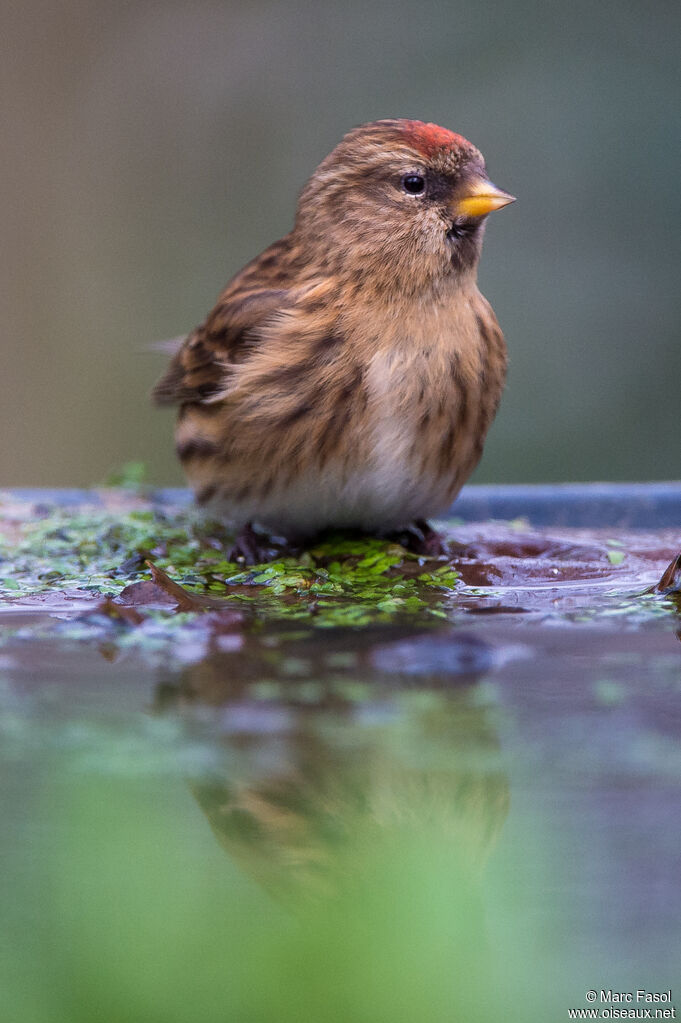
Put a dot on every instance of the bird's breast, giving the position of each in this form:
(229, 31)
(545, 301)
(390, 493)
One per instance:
(423, 419)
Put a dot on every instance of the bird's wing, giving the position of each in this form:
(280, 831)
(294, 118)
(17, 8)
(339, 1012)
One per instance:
(200, 367)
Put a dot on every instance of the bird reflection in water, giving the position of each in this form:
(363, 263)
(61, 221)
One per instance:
(337, 756)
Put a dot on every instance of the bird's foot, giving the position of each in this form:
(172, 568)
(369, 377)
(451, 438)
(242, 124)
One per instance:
(253, 548)
(249, 547)
(423, 540)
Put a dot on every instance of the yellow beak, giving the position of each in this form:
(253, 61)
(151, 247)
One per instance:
(480, 198)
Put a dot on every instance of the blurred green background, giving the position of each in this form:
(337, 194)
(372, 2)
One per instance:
(150, 149)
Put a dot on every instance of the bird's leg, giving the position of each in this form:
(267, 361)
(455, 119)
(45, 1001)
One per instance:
(248, 547)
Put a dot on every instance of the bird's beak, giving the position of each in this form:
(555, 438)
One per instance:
(479, 198)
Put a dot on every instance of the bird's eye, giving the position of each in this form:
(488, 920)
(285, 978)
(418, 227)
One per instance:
(414, 184)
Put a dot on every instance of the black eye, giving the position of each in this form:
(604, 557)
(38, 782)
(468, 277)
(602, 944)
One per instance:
(413, 183)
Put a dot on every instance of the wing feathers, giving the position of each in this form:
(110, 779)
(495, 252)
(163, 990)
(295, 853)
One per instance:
(198, 370)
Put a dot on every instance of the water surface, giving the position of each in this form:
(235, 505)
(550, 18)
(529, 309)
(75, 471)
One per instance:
(470, 814)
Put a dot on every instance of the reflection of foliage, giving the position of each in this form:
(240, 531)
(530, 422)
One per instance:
(379, 795)
(367, 811)
(341, 581)
(152, 926)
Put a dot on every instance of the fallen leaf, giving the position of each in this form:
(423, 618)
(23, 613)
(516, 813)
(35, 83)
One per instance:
(162, 591)
(185, 600)
(671, 578)
(146, 594)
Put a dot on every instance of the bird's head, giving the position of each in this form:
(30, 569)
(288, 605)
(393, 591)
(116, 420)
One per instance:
(399, 203)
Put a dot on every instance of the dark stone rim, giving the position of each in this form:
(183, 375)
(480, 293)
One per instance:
(596, 505)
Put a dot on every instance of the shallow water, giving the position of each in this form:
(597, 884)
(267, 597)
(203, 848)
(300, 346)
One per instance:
(473, 816)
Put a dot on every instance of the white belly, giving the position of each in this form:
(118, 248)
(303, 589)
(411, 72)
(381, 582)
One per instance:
(375, 501)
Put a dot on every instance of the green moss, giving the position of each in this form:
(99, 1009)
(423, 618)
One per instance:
(341, 581)
(345, 580)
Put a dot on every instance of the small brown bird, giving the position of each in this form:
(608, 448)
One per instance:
(348, 375)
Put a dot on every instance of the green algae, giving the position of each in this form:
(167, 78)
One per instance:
(343, 580)
(351, 581)
(69, 559)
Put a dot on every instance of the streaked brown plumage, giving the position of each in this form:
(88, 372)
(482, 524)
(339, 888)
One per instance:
(348, 375)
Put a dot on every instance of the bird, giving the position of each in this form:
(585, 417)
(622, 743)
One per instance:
(347, 376)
